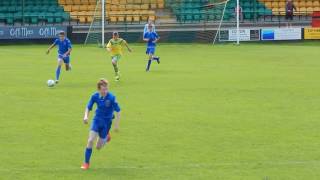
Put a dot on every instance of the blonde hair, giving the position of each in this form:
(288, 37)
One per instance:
(102, 82)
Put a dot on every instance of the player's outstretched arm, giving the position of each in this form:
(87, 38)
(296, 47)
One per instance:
(117, 121)
(49, 49)
(129, 49)
(88, 109)
(117, 118)
(86, 116)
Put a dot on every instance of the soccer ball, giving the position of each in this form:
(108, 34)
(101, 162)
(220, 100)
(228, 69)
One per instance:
(50, 83)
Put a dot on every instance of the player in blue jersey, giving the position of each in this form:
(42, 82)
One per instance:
(151, 38)
(64, 50)
(106, 106)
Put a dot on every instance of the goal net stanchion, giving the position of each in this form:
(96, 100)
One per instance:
(223, 17)
(220, 22)
(96, 30)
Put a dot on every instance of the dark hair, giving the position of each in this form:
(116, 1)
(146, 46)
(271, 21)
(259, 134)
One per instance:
(62, 33)
(115, 33)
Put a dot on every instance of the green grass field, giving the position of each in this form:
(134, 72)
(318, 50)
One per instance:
(231, 113)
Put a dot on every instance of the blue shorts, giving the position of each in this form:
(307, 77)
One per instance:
(66, 60)
(102, 128)
(151, 50)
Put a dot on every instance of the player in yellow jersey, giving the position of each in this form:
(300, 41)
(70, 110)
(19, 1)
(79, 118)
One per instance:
(114, 46)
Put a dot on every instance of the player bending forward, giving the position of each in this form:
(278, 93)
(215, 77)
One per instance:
(102, 121)
(114, 46)
(64, 51)
(151, 37)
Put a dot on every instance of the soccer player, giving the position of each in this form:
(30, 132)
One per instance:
(114, 46)
(64, 51)
(102, 121)
(151, 38)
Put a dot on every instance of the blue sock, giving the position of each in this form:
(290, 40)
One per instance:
(88, 155)
(149, 64)
(156, 58)
(58, 72)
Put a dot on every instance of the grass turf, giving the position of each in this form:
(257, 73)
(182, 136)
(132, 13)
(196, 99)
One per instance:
(224, 112)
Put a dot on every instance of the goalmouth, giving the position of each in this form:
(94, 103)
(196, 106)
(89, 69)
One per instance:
(96, 32)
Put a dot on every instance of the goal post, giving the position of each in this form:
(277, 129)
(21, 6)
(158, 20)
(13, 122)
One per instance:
(238, 21)
(96, 32)
(103, 8)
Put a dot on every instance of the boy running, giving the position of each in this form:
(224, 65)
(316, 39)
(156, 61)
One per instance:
(106, 105)
(64, 50)
(114, 46)
(151, 37)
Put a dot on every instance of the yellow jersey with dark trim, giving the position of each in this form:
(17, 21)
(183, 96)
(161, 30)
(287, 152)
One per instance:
(116, 46)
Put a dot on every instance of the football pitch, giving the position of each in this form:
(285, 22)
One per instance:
(225, 112)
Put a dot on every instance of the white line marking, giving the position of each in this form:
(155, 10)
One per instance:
(195, 165)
